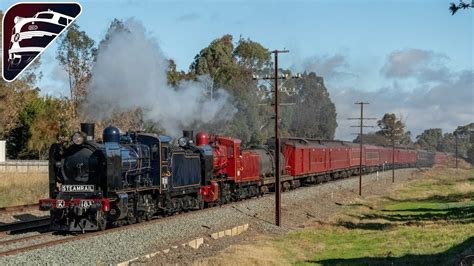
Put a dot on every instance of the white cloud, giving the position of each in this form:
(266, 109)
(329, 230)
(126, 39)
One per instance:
(416, 63)
(420, 88)
(330, 67)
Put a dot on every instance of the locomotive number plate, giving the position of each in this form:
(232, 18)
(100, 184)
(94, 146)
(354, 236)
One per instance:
(86, 203)
(77, 188)
(60, 204)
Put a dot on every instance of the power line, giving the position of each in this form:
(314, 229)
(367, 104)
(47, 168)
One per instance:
(361, 126)
(276, 104)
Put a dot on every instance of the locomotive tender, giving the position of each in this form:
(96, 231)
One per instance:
(128, 178)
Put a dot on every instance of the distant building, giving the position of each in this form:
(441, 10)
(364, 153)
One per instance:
(2, 150)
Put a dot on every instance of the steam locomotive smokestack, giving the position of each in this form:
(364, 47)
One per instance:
(188, 134)
(88, 129)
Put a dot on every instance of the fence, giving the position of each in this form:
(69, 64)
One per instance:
(24, 167)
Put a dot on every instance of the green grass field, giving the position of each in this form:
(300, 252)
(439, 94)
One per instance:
(424, 222)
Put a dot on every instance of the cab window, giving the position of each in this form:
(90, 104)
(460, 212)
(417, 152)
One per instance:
(231, 152)
(164, 153)
(155, 152)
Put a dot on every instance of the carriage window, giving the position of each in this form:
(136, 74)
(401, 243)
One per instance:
(63, 21)
(47, 16)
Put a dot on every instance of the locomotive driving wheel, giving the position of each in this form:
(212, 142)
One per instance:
(131, 219)
(148, 216)
(140, 216)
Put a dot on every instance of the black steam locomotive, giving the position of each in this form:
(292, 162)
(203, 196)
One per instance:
(124, 179)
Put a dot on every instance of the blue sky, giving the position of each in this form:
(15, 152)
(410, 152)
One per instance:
(355, 44)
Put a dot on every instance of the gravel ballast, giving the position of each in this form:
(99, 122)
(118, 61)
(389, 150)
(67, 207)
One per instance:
(298, 207)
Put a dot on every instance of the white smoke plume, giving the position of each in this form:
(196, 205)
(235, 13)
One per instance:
(131, 72)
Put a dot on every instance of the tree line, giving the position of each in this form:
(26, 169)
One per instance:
(392, 129)
(31, 122)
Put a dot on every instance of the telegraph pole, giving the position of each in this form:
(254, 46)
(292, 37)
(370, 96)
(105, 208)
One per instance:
(456, 153)
(361, 126)
(276, 104)
(393, 135)
(393, 159)
(277, 145)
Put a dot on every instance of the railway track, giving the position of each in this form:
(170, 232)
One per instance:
(39, 223)
(75, 237)
(71, 237)
(19, 245)
(19, 208)
(23, 226)
(18, 240)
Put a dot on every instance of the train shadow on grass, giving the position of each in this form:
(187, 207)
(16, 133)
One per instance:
(443, 211)
(461, 215)
(452, 255)
(366, 226)
(455, 197)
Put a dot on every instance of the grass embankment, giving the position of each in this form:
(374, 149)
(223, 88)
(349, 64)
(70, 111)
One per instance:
(22, 188)
(425, 221)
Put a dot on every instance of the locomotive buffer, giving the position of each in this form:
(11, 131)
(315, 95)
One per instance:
(361, 126)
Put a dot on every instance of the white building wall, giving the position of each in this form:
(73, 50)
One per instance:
(2, 150)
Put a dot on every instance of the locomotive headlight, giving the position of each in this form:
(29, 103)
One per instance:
(182, 141)
(77, 138)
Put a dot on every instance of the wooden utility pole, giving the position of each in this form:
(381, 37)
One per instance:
(456, 153)
(276, 104)
(393, 135)
(277, 145)
(361, 126)
(393, 159)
